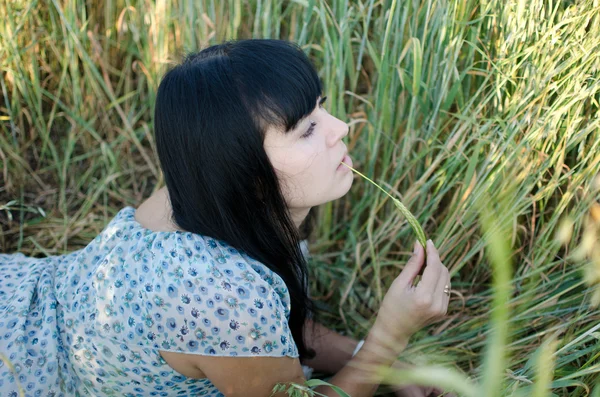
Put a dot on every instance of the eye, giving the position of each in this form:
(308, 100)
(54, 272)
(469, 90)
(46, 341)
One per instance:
(310, 130)
(313, 123)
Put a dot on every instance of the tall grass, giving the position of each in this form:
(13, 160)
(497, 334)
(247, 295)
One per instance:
(481, 117)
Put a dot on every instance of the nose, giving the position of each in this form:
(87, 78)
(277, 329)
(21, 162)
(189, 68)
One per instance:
(339, 131)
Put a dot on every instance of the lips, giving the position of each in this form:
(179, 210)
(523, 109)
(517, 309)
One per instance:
(344, 163)
(343, 157)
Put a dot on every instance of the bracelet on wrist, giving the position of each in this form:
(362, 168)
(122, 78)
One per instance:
(358, 346)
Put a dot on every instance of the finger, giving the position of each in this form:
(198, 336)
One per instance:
(432, 272)
(447, 296)
(413, 266)
(440, 304)
(432, 253)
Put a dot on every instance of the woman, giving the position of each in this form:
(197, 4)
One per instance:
(172, 298)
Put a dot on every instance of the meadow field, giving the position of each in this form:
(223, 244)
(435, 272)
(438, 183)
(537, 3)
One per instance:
(481, 117)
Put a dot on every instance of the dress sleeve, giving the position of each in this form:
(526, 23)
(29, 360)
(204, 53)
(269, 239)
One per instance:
(209, 300)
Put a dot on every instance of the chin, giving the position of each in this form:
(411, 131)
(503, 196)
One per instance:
(342, 189)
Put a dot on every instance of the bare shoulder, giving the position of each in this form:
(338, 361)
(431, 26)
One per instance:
(238, 376)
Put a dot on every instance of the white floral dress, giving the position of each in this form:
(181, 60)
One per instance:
(92, 322)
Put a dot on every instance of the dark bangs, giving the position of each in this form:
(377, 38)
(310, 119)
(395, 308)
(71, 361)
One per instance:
(277, 82)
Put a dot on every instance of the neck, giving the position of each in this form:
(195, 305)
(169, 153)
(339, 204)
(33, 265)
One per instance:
(299, 215)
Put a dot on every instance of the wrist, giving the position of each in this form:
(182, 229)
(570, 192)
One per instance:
(389, 333)
(358, 346)
(374, 355)
(384, 344)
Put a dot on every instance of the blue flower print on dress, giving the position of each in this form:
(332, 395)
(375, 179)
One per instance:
(92, 322)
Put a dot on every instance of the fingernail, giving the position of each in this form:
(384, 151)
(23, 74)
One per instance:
(416, 246)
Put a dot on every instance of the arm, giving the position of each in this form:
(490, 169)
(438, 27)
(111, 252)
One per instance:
(333, 350)
(356, 377)
(274, 370)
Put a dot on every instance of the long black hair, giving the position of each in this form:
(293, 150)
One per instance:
(211, 116)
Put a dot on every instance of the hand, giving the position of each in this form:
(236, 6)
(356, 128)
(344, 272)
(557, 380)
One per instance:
(406, 309)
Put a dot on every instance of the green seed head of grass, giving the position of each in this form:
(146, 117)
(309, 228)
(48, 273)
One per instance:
(405, 212)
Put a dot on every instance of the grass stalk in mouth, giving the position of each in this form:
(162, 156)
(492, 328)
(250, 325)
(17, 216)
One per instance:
(407, 214)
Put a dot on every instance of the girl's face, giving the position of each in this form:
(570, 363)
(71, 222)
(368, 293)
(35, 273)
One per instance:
(307, 161)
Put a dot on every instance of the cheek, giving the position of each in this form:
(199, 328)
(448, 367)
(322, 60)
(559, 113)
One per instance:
(303, 172)
(310, 165)
(304, 159)
(313, 174)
